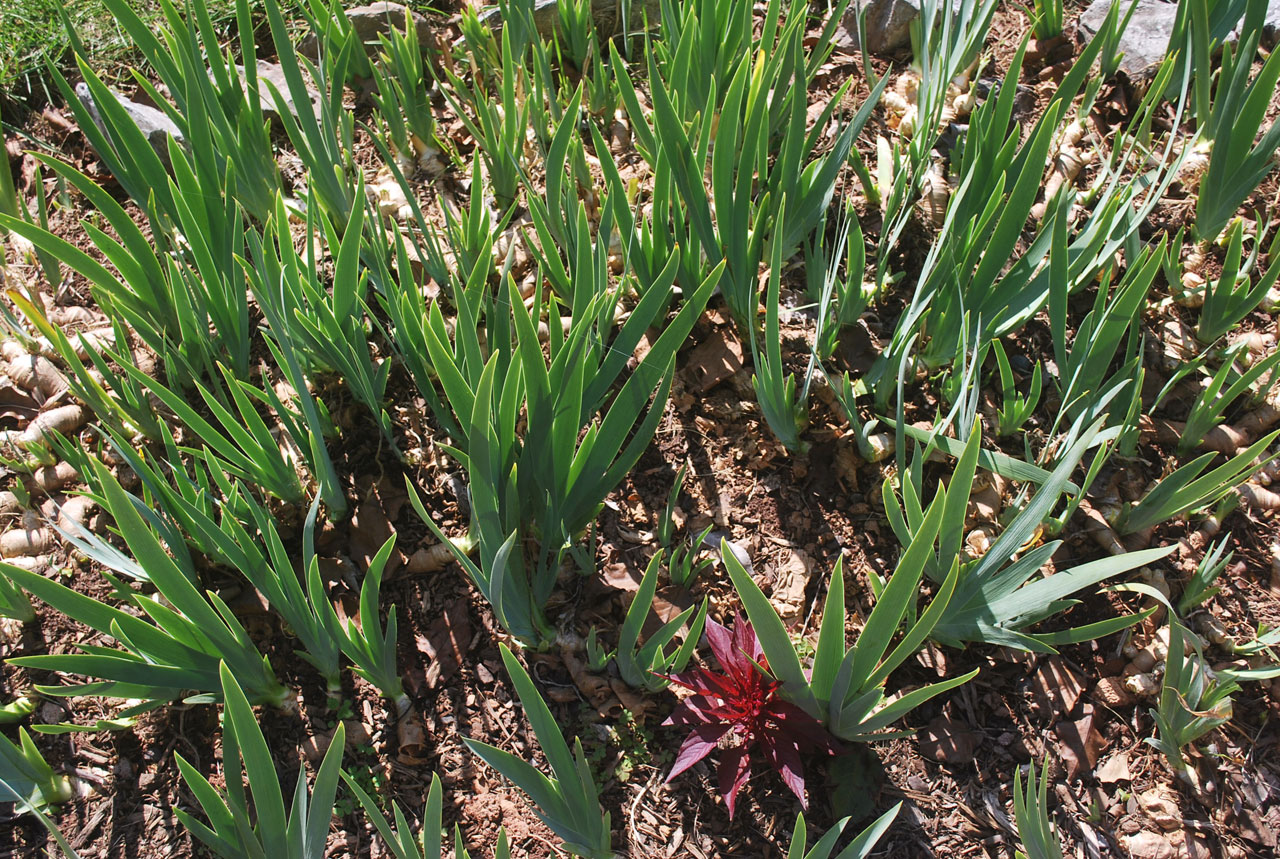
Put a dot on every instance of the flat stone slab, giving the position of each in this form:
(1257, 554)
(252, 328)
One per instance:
(154, 123)
(606, 14)
(1145, 42)
(274, 72)
(888, 25)
(373, 20)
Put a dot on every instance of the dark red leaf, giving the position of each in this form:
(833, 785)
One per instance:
(694, 710)
(783, 755)
(721, 641)
(696, 746)
(735, 768)
(808, 730)
(745, 644)
(743, 702)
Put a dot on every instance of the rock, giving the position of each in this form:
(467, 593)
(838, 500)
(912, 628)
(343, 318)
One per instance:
(1270, 26)
(1145, 42)
(154, 123)
(380, 18)
(1111, 692)
(374, 20)
(888, 24)
(274, 72)
(607, 15)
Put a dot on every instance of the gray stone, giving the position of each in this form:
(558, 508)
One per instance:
(274, 72)
(607, 15)
(1145, 42)
(1271, 24)
(374, 20)
(888, 24)
(154, 123)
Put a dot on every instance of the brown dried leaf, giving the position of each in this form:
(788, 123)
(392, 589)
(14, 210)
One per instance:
(621, 576)
(1149, 845)
(792, 580)
(1114, 769)
(948, 740)
(1251, 825)
(1079, 745)
(1161, 808)
(315, 746)
(446, 643)
(1056, 687)
(371, 526)
(411, 739)
(715, 360)
(595, 689)
(932, 656)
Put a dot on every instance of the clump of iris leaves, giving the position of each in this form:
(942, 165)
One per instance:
(546, 390)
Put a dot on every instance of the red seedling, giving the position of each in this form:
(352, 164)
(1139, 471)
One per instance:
(740, 709)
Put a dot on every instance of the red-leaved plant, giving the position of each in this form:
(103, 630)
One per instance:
(741, 709)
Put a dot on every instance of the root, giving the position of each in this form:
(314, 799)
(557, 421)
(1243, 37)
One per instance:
(1260, 420)
(51, 478)
(935, 194)
(1257, 497)
(20, 542)
(1101, 531)
(33, 373)
(64, 419)
(1221, 439)
(432, 559)
(74, 513)
(1194, 543)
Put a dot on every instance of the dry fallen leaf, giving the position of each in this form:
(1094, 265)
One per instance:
(411, 739)
(594, 688)
(621, 576)
(315, 746)
(371, 525)
(793, 573)
(1116, 768)
(715, 360)
(948, 740)
(1056, 687)
(932, 656)
(1196, 846)
(1161, 808)
(446, 643)
(1149, 845)
(1079, 745)
(1254, 827)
